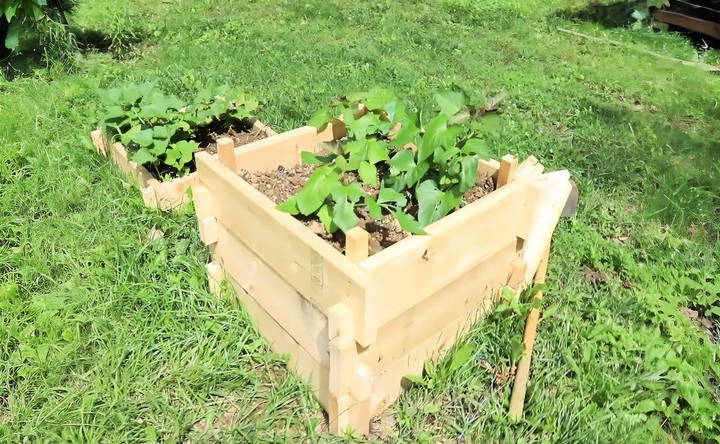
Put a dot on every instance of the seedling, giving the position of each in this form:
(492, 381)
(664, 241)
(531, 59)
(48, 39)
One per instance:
(394, 161)
(159, 129)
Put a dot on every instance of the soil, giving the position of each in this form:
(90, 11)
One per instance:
(281, 184)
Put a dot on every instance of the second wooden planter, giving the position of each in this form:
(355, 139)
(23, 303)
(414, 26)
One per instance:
(355, 325)
(168, 195)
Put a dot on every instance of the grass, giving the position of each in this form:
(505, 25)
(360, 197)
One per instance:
(111, 337)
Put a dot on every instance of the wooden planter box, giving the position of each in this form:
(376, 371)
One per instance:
(156, 194)
(355, 325)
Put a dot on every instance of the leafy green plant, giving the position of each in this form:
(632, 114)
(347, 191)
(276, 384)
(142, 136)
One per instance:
(159, 128)
(26, 14)
(393, 160)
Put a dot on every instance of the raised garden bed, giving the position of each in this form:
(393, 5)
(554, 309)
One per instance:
(355, 324)
(169, 195)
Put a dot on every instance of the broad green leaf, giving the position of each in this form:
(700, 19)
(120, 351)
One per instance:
(128, 135)
(448, 138)
(478, 147)
(360, 128)
(352, 191)
(377, 151)
(416, 174)
(159, 146)
(344, 215)
(186, 149)
(143, 138)
(408, 223)
(407, 134)
(468, 173)
(12, 38)
(289, 206)
(321, 118)
(325, 214)
(143, 157)
(163, 132)
(377, 98)
(450, 102)
(429, 198)
(432, 137)
(310, 158)
(461, 356)
(389, 195)
(316, 189)
(403, 160)
(373, 207)
(355, 146)
(368, 173)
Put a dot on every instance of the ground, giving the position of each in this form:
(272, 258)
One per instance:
(111, 335)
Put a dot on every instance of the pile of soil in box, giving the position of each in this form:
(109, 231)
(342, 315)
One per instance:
(241, 137)
(283, 183)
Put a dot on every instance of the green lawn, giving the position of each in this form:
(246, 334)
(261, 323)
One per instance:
(109, 337)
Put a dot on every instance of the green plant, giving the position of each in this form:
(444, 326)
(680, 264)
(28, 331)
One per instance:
(159, 128)
(393, 161)
(26, 14)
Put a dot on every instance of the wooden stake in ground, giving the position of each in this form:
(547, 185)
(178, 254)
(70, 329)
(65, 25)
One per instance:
(517, 401)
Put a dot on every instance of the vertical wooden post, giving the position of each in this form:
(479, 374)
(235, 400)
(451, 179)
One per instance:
(98, 139)
(517, 400)
(508, 168)
(226, 152)
(356, 244)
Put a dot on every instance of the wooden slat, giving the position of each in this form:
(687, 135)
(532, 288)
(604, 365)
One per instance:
(226, 152)
(283, 149)
(508, 167)
(356, 244)
(471, 290)
(551, 190)
(386, 385)
(278, 299)
(407, 272)
(301, 362)
(313, 267)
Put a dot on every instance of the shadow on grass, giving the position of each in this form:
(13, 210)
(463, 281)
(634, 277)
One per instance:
(611, 15)
(674, 170)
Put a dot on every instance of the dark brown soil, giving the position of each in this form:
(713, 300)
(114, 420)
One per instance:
(281, 184)
(240, 138)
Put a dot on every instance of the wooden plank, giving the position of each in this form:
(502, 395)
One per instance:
(278, 299)
(488, 167)
(549, 192)
(508, 167)
(99, 142)
(226, 152)
(313, 267)
(407, 272)
(301, 362)
(473, 289)
(387, 385)
(356, 244)
(280, 150)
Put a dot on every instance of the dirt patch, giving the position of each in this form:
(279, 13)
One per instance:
(281, 184)
(242, 137)
(594, 277)
(382, 428)
(711, 329)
